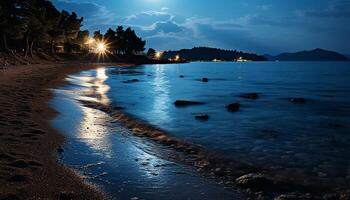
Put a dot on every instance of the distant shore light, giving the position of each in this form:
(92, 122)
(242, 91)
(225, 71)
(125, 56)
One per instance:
(158, 55)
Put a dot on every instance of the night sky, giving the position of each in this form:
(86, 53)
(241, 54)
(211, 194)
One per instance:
(262, 26)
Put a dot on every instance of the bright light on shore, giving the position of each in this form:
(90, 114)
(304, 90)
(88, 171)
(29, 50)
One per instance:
(159, 55)
(101, 48)
(90, 41)
(177, 57)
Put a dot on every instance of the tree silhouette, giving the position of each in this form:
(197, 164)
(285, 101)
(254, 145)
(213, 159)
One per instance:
(9, 22)
(125, 42)
(151, 53)
(31, 26)
(110, 38)
(98, 36)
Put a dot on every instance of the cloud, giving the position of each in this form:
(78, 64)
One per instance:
(263, 7)
(164, 31)
(148, 18)
(336, 9)
(93, 13)
(259, 32)
(333, 18)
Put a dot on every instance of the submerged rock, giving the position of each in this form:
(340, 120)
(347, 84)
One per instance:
(187, 103)
(203, 117)
(131, 81)
(182, 76)
(249, 96)
(60, 150)
(233, 107)
(297, 100)
(205, 80)
(254, 181)
(118, 108)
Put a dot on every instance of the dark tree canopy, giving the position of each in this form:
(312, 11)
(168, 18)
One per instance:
(98, 35)
(209, 54)
(35, 24)
(151, 53)
(124, 42)
(28, 26)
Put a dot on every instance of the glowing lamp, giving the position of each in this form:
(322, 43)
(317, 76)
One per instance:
(101, 48)
(158, 55)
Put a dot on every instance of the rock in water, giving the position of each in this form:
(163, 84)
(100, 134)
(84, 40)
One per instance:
(131, 81)
(205, 80)
(60, 150)
(233, 107)
(249, 96)
(182, 76)
(187, 103)
(254, 181)
(297, 100)
(203, 117)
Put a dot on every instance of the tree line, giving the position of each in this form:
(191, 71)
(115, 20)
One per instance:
(28, 26)
(209, 54)
(120, 41)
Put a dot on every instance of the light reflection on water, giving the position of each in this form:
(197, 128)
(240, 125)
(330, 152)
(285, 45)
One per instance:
(93, 127)
(110, 157)
(161, 89)
(310, 139)
(94, 132)
(101, 88)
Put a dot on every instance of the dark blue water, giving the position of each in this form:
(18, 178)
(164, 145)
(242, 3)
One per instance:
(310, 139)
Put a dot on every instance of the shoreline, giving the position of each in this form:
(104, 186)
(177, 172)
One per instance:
(233, 172)
(29, 167)
(257, 181)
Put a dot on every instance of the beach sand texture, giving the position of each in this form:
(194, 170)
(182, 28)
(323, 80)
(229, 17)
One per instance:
(29, 168)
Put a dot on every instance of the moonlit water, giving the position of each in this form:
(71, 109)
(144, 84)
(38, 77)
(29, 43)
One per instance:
(306, 140)
(106, 154)
(311, 138)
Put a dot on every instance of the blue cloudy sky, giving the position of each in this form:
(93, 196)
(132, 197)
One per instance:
(262, 26)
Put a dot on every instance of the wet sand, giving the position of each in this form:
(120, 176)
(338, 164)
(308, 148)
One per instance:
(29, 168)
(124, 166)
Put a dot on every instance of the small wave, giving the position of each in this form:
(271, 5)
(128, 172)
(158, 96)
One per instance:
(208, 162)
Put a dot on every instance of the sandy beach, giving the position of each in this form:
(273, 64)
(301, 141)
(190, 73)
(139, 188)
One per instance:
(29, 168)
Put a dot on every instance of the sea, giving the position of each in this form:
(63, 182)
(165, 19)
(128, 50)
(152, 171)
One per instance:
(293, 120)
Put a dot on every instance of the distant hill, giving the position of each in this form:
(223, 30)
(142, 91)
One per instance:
(313, 55)
(210, 54)
(270, 57)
